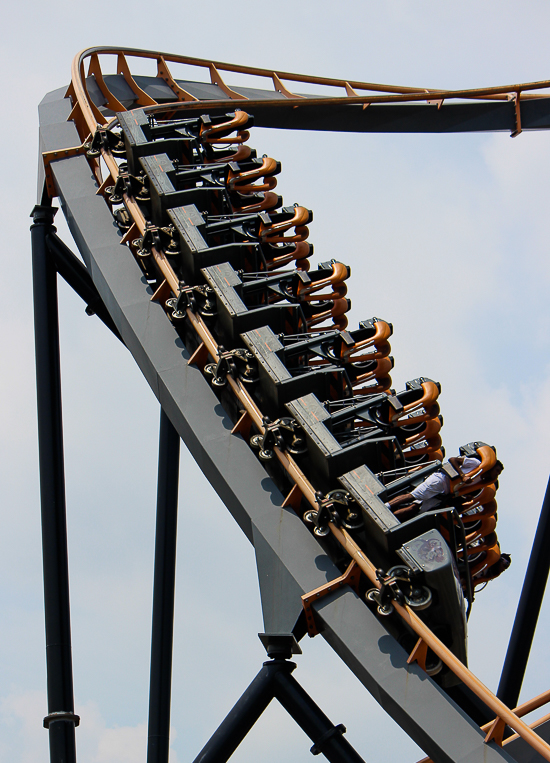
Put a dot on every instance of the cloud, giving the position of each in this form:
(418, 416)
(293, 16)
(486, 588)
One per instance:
(26, 741)
(99, 743)
(23, 737)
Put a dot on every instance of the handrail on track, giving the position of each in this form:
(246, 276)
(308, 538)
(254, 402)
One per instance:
(504, 716)
(87, 116)
(390, 93)
(520, 711)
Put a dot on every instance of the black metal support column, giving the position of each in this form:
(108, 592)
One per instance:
(77, 276)
(163, 593)
(61, 720)
(528, 610)
(326, 737)
(243, 716)
(275, 681)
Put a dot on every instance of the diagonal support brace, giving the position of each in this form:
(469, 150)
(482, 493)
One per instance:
(274, 681)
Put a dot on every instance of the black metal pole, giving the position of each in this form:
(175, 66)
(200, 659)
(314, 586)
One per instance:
(242, 717)
(61, 720)
(275, 681)
(77, 276)
(160, 687)
(528, 610)
(327, 738)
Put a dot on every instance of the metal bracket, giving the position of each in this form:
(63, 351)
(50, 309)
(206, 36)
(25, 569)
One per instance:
(52, 156)
(350, 577)
(496, 732)
(294, 498)
(151, 234)
(388, 592)
(243, 425)
(199, 357)
(235, 363)
(328, 512)
(129, 185)
(415, 596)
(284, 433)
(183, 302)
(515, 97)
(419, 654)
(317, 748)
(61, 716)
(106, 140)
(162, 293)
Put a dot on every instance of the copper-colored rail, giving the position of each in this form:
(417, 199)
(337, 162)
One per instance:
(534, 725)
(391, 93)
(87, 116)
(520, 711)
(533, 704)
(459, 669)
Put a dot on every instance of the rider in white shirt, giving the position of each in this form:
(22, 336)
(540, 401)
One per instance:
(428, 494)
(437, 484)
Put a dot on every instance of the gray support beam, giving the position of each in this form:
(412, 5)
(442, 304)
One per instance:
(435, 723)
(279, 590)
(407, 118)
(450, 117)
(406, 692)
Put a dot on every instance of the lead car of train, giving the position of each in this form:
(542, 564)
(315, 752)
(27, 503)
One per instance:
(232, 268)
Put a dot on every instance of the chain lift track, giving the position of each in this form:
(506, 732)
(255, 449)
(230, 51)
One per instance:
(207, 279)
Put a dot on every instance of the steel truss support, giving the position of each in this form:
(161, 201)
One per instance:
(51, 256)
(274, 681)
(61, 720)
(163, 593)
(75, 273)
(528, 610)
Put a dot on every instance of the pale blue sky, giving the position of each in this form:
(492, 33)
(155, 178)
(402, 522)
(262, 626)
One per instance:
(446, 237)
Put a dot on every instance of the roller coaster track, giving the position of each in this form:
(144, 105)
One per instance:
(198, 323)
